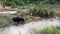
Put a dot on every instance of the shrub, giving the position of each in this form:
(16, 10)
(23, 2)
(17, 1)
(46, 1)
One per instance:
(21, 13)
(37, 11)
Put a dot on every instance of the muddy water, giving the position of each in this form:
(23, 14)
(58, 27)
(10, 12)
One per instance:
(27, 28)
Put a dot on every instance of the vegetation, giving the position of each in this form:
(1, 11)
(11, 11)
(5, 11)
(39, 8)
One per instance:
(22, 2)
(40, 11)
(34, 10)
(5, 20)
(51, 31)
(48, 30)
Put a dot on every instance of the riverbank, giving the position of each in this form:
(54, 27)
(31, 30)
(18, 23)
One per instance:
(29, 27)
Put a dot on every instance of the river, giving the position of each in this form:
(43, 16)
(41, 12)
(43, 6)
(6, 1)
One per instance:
(27, 28)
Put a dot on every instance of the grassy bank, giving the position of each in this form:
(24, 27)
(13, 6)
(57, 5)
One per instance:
(5, 20)
(32, 12)
(35, 10)
(48, 30)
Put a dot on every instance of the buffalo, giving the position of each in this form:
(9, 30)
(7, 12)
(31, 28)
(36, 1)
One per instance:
(18, 19)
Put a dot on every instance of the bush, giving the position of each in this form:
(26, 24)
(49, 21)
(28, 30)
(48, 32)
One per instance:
(37, 11)
(21, 13)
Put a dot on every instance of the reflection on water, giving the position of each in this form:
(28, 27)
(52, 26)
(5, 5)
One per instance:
(26, 29)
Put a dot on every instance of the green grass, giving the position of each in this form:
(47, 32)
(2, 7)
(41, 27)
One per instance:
(5, 20)
(23, 2)
(36, 10)
(51, 31)
(40, 10)
(48, 30)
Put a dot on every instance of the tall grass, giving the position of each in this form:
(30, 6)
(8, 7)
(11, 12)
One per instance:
(39, 10)
(5, 20)
(23, 2)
